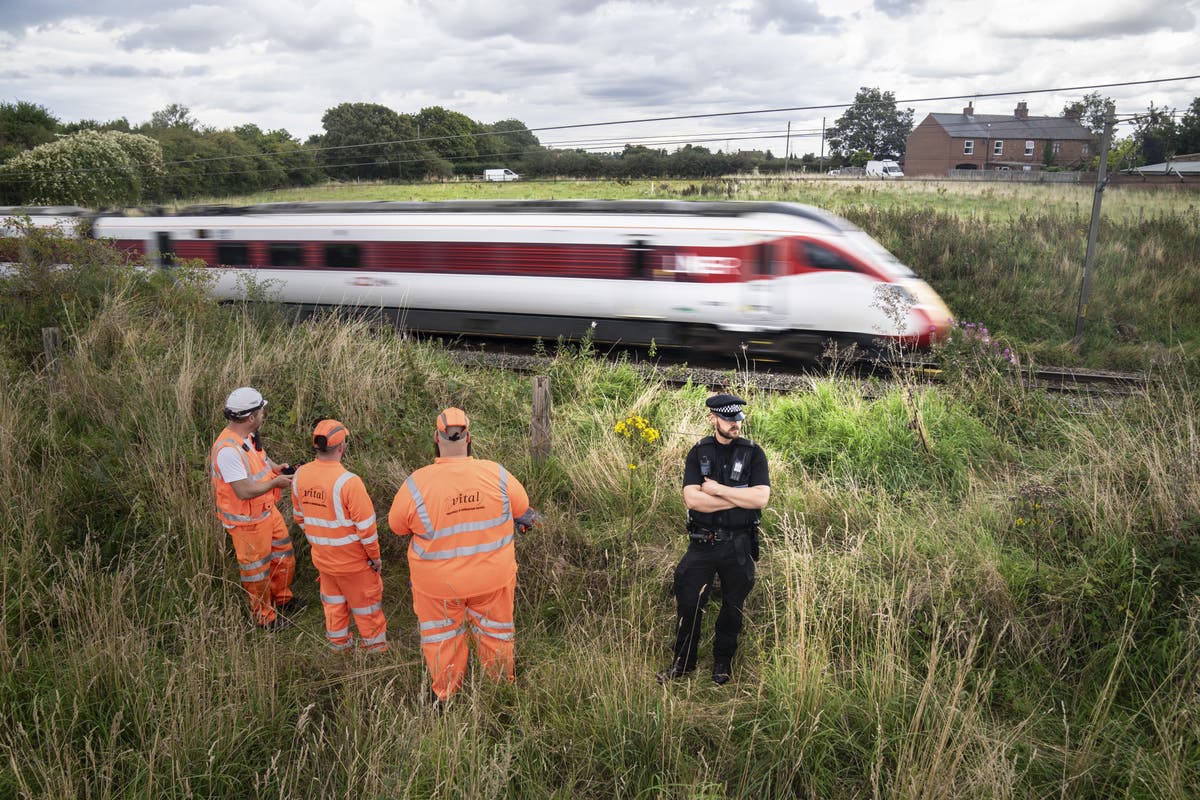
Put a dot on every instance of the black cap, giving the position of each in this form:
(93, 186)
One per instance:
(727, 407)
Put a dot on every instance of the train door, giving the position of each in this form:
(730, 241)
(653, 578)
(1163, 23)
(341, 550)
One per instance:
(640, 293)
(765, 292)
(166, 250)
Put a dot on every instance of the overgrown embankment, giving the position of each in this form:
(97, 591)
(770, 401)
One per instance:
(1012, 612)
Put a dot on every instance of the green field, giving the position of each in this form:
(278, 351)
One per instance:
(1006, 255)
(1010, 612)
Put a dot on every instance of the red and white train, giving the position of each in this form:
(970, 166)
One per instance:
(779, 279)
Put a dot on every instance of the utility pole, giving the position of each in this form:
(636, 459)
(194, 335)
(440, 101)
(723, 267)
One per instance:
(1093, 229)
(787, 150)
(822, 162)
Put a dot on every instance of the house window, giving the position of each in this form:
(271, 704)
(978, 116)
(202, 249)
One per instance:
(998, 147)
(968, 147)
(1084, 151)
(1056, 147)
(1028, 148)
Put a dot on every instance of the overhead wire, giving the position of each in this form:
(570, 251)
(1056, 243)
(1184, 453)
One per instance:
(597, 145)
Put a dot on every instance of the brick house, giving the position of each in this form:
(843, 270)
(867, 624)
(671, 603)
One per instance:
(943, 142)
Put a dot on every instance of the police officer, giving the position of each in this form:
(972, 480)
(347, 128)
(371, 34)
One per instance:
(725, 487)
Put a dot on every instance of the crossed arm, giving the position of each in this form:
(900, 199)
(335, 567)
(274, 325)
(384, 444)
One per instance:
(710, 496)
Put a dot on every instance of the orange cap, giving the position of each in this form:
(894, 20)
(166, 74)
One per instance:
(453, 418)
(331, 432)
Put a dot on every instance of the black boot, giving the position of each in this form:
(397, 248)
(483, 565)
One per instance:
(677, 670)
(722, 673)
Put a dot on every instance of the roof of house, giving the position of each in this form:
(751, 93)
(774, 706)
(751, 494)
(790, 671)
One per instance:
(1002, 126)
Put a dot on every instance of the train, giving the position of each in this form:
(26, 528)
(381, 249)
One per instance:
(766, 279)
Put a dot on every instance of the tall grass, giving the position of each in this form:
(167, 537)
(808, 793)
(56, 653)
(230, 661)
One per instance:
(1010, 613)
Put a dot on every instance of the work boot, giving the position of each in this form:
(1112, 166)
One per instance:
(677, 670)
(721, 673)
(280, 623)
(293, 606)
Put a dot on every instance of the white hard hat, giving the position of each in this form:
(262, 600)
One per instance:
(244, 401)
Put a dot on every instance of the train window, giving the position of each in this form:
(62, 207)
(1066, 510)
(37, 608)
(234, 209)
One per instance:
(820, 257)
(342, 256)
(287, 254)
(233, 254)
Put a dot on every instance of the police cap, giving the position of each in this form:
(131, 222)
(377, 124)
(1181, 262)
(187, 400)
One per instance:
(727, 406)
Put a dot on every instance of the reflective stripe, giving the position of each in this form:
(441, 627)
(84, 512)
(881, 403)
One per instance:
(341, 541)
(278, 543)
(380, 639)
(338, 634)
(262, 562)
(437, 623)
(262, 576)
(483, 621)
(242, 520)
(374, 537)
(371, 609)
(339, 512)
(442, 555)
(340, 646)
(463, 527)
(366, 523)
(434, 638)
(333, 599)
(504, 637)
(282, 554)
(419, 503)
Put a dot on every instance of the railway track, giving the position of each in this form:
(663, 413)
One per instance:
(676, 372)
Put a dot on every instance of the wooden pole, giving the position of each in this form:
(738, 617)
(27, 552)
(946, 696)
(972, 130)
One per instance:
(539, 427)
(1089, 258)
(51, 341)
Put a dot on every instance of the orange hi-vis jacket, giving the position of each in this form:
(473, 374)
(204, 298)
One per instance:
(331, 505)
(460, 512)
(232, 510)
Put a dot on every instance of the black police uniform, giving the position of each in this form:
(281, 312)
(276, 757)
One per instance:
(724, 543)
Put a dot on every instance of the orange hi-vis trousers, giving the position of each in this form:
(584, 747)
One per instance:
(359, 594)
(443, 625)
(267, 564)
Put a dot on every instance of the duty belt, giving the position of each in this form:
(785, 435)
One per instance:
(715, 535)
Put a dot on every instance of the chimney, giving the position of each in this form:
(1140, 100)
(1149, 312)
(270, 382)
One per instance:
(1022, 111)
(1071, 113)
(969, 111)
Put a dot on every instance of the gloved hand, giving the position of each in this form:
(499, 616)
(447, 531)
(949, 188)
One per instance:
(527, 520)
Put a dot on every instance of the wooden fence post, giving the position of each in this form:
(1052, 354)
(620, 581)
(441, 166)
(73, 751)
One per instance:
(51, 341)
(539, 427)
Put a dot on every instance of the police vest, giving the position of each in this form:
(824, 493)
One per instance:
(733, 473)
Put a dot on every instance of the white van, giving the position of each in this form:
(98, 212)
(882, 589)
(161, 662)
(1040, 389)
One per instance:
(500, 175)
(884, 169)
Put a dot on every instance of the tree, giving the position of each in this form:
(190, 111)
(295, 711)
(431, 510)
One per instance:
(1091, 111)
(1155, 134)
(448, 133)
(24, 126)
(173, 116)
(368, 141)
(89, 168)
(1188, 134)
(872, 123)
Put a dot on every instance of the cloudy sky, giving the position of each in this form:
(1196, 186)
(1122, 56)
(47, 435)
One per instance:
(550, 63)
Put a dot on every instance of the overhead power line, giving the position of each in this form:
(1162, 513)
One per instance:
(603, 144)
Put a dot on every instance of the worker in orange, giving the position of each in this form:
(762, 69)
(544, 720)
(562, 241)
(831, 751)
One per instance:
(460, 512)
(332, 507)
(247, 485)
